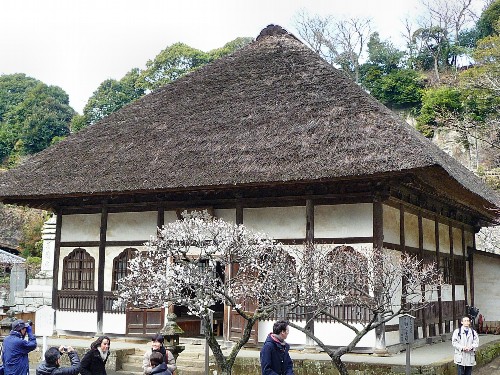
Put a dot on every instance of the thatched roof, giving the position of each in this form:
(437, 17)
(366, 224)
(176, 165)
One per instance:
(272, 112)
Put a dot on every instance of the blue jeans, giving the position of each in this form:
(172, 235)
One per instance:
(464, 370)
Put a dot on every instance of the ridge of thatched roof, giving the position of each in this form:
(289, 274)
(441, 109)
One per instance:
(271, 112)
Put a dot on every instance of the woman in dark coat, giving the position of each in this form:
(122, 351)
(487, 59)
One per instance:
(94, 361)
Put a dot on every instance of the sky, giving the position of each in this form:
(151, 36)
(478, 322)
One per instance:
(77, 44)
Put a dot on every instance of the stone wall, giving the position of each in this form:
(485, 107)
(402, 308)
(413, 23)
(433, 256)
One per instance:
(251, 366)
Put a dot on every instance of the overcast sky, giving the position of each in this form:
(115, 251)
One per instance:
(77, 44)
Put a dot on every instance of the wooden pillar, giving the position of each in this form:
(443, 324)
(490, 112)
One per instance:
(464, 254)
(57, 255)
(378, 243)
(438, 265)
(309, 221)
(471, 269)
(421, 254)
(402, 242)
(100, 268)
(239, 214)
(452, 271)
(228, 273)
(309, 240)
(160, 220)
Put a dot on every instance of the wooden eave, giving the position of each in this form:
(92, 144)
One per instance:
(406, 187)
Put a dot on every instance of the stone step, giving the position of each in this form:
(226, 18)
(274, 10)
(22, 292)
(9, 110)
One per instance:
(40, 282)
(134, 358)
(134, 367)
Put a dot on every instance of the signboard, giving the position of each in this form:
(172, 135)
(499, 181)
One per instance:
(44, 318)
(406, 329)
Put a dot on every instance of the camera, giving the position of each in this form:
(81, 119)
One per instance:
(64, 349)
(29, 322)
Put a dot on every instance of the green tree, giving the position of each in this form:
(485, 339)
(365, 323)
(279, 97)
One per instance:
(230, 47)
(489, 18)
(78, 122)
(13, 90)
(42, 115)
(32, 114)
(401, 88)
(383, 54)
(110, 96)
(384, 78)
(436, 102)
(171, 63)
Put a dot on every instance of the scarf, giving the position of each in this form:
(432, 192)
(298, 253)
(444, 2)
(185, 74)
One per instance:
(104, 355)
(278, 339)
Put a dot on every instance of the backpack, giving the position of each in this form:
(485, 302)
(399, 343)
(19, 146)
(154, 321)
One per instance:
(460, 333)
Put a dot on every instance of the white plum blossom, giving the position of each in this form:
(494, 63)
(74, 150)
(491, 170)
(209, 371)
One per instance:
(181, 267)
(381, 284)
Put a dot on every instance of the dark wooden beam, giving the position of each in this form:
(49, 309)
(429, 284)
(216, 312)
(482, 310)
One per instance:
(452, 263)
(100, 268)
(464, 254)
(421, 254)
(438, 265)
(309, 221)
(471, 269)
(57, 255)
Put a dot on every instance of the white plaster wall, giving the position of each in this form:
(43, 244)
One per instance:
(337, 334)
(411, 230)
(330, 333)
(114, 323)
(391, 224)
(429, 234)
(131, 226)
(228, 215)
(76, 321)
(277, 222)
(295, 337)
(343, 220)
(444, 239)
(446, 292)
(80, 227)
(169, 217)
(487, 286)
(93, 251)
(457, 241)
(111, 253)
(459, 292)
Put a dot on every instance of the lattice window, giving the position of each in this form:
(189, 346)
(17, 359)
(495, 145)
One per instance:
(78, 270)
(120, 264)
(354, 276)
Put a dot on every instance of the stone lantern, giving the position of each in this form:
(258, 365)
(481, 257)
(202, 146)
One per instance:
(171, 332)
(6, 324)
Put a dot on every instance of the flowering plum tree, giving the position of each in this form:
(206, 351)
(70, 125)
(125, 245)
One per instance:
(180, 268)
(376, 285)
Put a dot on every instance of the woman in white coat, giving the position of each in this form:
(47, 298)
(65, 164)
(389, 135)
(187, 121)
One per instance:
(465, 341)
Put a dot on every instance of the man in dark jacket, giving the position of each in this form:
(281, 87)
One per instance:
(16, 348)
(274, 356)
(158, 365)
(51, 366)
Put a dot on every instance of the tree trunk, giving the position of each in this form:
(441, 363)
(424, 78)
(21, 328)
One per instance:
(341, 367)
(436, 68)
